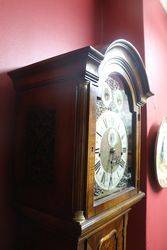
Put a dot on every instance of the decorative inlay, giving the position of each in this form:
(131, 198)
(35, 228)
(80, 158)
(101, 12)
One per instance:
(107, 241)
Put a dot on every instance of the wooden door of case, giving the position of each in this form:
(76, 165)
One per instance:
(111, 237)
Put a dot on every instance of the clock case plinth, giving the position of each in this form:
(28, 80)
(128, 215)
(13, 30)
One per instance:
(54, 151)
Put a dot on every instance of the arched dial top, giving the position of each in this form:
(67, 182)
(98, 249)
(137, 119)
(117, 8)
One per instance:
(121, 56)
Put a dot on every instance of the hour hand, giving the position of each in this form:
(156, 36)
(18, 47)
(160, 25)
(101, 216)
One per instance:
(111, 155)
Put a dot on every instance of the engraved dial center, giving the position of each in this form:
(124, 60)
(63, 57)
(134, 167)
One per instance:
(110, 150)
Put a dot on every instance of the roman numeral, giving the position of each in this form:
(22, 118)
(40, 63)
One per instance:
(99, 134)
(97, 167)
(103, 178)
(124, 150)
(110, 182)
(121, 163)
(97, 150)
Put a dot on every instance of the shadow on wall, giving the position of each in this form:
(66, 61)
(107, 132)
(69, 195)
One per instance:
(151, 157)
(7, 215)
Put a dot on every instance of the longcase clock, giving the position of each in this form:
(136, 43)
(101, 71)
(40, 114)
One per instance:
(78, 148)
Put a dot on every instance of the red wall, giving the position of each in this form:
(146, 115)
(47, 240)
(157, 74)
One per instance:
(31, 31)
(34, 30)
(155, 31)
(123, 19)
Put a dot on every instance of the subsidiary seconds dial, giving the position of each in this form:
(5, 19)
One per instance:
(111, 150)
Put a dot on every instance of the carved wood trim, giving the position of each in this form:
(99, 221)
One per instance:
(125, 230)
(107, 238)
(82, 97)
(102, 219)
(129, 54)
(81, 140)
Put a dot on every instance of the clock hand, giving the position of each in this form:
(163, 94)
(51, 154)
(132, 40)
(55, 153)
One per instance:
(111, 157)
(111, 154)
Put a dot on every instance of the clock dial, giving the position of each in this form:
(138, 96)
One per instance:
(113, 147)
(161, 154)
(111, 150)
(106, 95)
(118, 99)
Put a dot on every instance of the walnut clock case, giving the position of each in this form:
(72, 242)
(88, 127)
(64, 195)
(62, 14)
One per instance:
(77, 148)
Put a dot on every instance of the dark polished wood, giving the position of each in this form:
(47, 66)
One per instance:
(55, 151)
